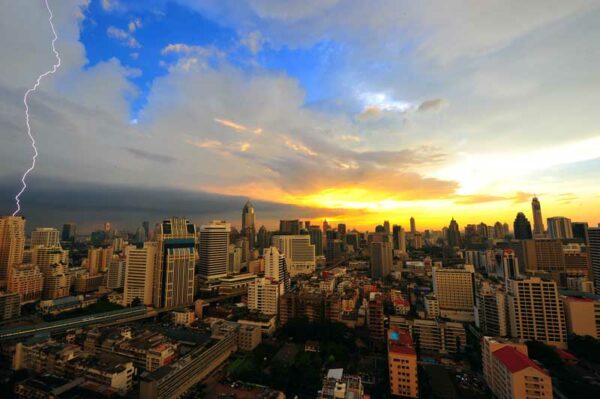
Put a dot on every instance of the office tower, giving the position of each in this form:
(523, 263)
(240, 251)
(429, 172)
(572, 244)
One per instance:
(10, 305)
(291, 227)
(298, 251)
(45, 236)
(490, 310)
(27, 280)
(12, 244)
(276, 268)
(115, 276)
(248, 227)
(69, 231)
(413, 225)
(454, 234)
(538, 222)
(399, 238)
(560, 227)
(536, 312)
(214, 242)
(57, 282)
(580, 231)
(316, 239)
(98, 260)
(510, 373)
(174, 269)
(582, 315)
(386, 227)
(376, 317)
(146, 227)
(380, 229)
(263, 296)
(506, 228)
(417, 240)
(594, 250)
(499, 232)
(139, 273)
(510, 265)
(352, 239)
(341, 227)
(482, 230)
(234, 263)
(263, 238)
(325, 225)
(541, 255)
(381, 259)
(402, 364)
(522, 227)
(455, 291)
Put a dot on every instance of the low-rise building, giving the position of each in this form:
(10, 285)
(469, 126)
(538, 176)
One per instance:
(338, 385)
(433, 335)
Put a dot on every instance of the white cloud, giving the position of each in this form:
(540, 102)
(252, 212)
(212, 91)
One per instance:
(124, 37)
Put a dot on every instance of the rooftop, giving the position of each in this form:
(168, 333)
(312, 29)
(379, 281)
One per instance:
(514, 360)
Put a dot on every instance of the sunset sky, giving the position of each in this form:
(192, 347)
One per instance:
(354, 110)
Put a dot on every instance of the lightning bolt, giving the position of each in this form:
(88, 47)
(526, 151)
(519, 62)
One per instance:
(25, 98)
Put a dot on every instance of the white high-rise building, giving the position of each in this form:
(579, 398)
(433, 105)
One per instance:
(214, 244)
(139, 273)
(45, 236)
(455, 290)
(298, 251)
(12, 245)
(276, 268)
(263, 296)
(536, 312)
(176, 260)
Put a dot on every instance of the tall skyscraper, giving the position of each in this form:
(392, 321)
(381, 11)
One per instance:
(522, 227)
(381, 259)
(146, 227)
(536, 312)
(46, 236)
(263, 238)
(386, 226)
(174, 271)
(342, 229)
(291, 227)
(316, 239)
(454, 289)
(69, 232)
(538, 221)
(248, 226)
(12, 245)
(298, 251)
(580, 231)
(399, 236)
(214, 243)
(413, 225)
(276, 269)
(454, 234)
(560, 227)
(139, 273)
(594, 248)
(499, 232)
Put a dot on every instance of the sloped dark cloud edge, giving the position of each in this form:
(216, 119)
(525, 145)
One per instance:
(51, 203)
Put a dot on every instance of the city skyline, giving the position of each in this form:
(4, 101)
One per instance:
(273, 102)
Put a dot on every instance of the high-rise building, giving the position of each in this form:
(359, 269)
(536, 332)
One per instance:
(560, 227)
(376, 317)
(44, 257)
(454, 289)
(115, 276)
(214, 243)
(510, 265)
(413, 225)
(27, 280)
(490, 312)
(499, 232)
(12, 244)
(291, 227)
(353, 239)
(57, 283)
(98, 260)
(580, 231)
(45, 236)
(541, 255)
(538, 221)
(316, 239)
(263, 296)
(276, 268)
(522, 227)
(536, 312)
(248, 227)
(10, 305)
(174, 269)
(454, 234)
(342, 229)
(399, 237)
(402, 364)
(386, 227)
(139, 273)
(298, 251)
(146, 227)
(582, 315)
(263, 238)
(594, 249)
(69, 231)
(381, 259)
